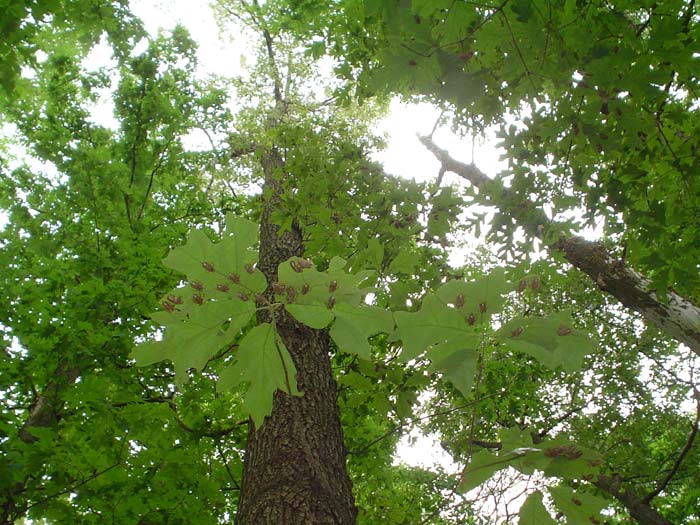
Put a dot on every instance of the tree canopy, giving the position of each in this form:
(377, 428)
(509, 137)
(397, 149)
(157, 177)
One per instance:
(246, 332)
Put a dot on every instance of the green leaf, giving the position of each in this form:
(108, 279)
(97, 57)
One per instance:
(533, 511)
(522, 9)
(558, 457)
(193, 341)
(320, 297)
(404, 403)
(313, 287)
(309, 285)
(552, 340)
(580, 508)
(245, 231)
(229, 261)
(443, 212)
(434, 323)
(209, 312)
(349, 287)
(565, 459)
(354, 324)
(314, 315)
(482, 297)
(375, 250)
(456, 359)
(404, 262)
(482, 466)
(400, 292)
(264, 363)
(514, 437)
(356, 380)
(459, 87)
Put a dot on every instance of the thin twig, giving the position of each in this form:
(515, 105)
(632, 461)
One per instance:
(228, 470)
(416, 420)
(684, 452)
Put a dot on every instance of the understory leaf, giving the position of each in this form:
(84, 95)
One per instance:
(334, 296)
(264, 363)
(552, 340)
(533, 511)
(405, 262)
(580, 508)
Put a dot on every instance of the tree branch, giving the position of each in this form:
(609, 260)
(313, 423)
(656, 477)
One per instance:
(277, 80)
(70, 489)
(684, 451)
(228, 470)
(539, 436)
(217, 433)
(639, 509)
(45, 410)
(161, 159)
(133, 151)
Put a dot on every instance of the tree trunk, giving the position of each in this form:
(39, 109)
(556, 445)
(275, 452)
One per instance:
(45, 410)
(294, 470)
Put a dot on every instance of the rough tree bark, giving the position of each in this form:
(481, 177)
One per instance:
(679, 318)
(294, 470)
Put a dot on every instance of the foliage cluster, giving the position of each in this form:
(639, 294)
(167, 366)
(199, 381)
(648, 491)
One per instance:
(106, 417)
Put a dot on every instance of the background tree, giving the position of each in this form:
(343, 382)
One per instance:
(91, 213)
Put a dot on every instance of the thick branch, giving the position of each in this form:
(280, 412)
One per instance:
(45, 410)
(679, 318)
(639, 509)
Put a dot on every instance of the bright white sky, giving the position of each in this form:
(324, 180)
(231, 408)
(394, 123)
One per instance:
(404, 156)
